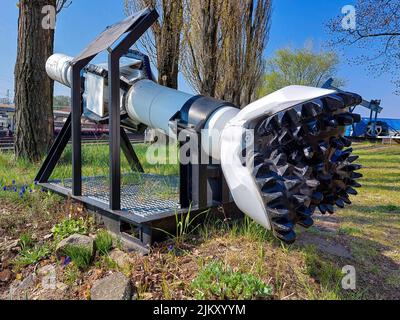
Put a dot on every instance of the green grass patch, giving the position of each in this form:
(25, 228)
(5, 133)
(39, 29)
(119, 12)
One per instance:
(80, 256)
(68, 227)
(218, 282)
(324, 272)
(103, 242)
(71, 274)
(31, 255)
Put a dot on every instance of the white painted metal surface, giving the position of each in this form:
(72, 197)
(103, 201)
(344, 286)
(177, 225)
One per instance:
(59, 69)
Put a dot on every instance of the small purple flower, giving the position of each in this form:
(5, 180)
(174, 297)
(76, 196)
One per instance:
(4, 188)
(67, 261)
(36, 183)
(170, 247)
(30, 190)
(15, 189)
(43, 190)
(13, 182)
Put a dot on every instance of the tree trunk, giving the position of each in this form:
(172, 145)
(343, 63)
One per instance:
(168, 43)
(163, 43)
(33, 88)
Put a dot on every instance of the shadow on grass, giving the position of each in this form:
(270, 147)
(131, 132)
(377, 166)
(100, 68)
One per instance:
(377, 275)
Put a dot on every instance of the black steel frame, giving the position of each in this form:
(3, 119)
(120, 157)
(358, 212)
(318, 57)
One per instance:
(202, 186)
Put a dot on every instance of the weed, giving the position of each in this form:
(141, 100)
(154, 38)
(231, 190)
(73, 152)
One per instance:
(71, 274)
(26, 241)
(29, 256)
(68, 227)
(184, 226)
(165, 289)
(105, 262)
(103, 242)
(324, 272)
(215, 281)
(252, 230)
(349, 230)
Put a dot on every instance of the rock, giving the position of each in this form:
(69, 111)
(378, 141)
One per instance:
(48, 236)
(18, 289)
(46, 270)
(61, 286)
(5, 275)
(76, 240)
(113, 287)
(9, 245)
(121, 258)
(28, 282)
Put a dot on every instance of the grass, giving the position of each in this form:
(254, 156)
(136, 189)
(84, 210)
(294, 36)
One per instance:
(71, 274)
(31, 253)
(369, 230)
(95, 162)
(216, 281)
(70, 226)
(103, 242)
(31, 256)
(80, 256)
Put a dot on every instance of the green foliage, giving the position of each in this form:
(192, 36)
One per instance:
(61, 101)
(26, 241)
(106, 263)
(326, 273)
(299, 67)
(103, 242)
(31, 255)
(346, 230)
(215, 281)
(71, 274)
(185, 225)
(69, 227)
(251, 230)
(80, 256)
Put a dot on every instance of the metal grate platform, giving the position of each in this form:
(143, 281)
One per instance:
(143, 195)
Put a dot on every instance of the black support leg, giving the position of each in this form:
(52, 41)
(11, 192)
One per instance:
(130, 153)
(55, 153)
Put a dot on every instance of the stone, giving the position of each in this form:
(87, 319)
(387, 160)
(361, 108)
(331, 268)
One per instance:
(121, 258)
(48, 236)
(5, 275)
(19, 289)
(76, 240)
(61, 286)
(113, 287)
(9, 245)
(46, 270)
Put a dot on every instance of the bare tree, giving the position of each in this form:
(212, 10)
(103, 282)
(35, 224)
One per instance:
(245, 27)
(376, 32)
(224, 45)
(202, 44)
(163, 42)
(33, 88)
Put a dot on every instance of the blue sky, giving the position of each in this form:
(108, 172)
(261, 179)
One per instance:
(294, 23)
